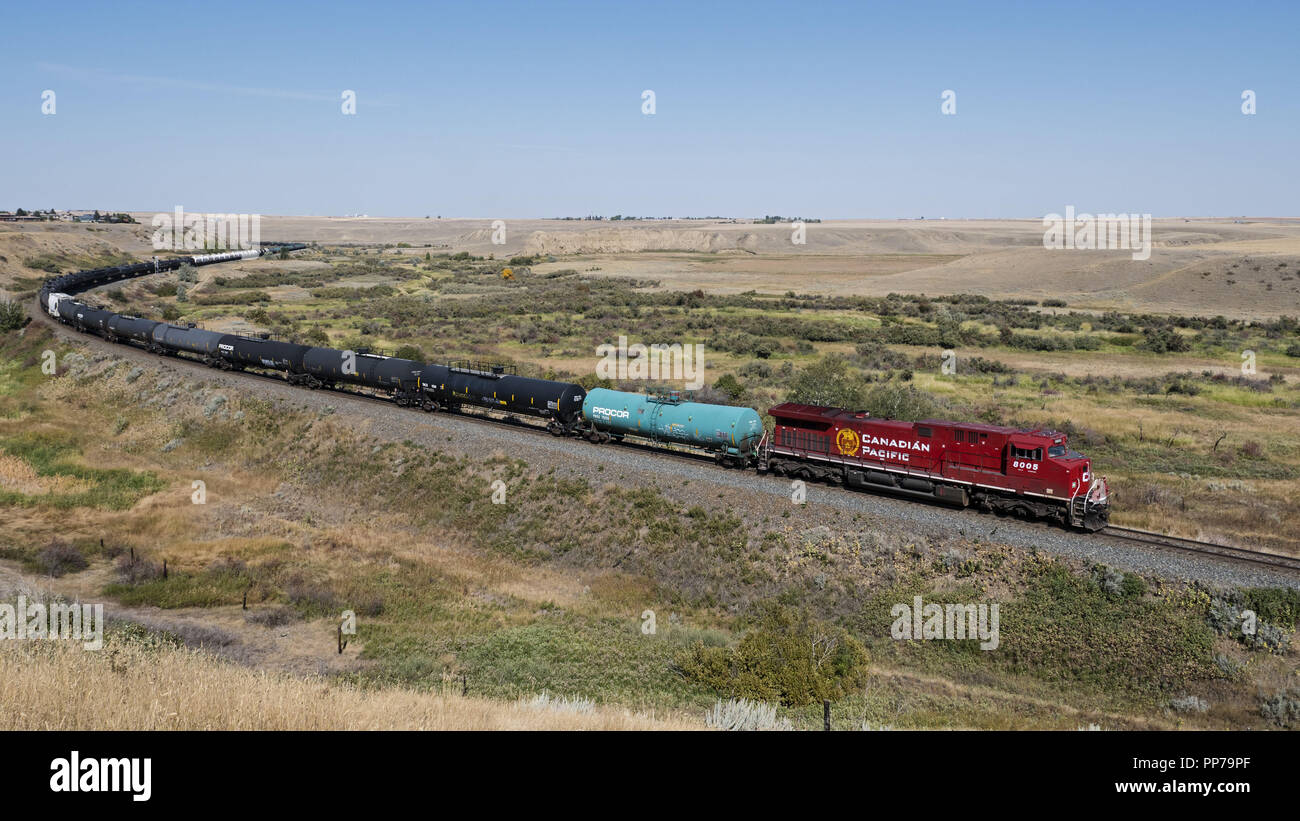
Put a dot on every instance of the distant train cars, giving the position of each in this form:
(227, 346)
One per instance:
(1028, 472)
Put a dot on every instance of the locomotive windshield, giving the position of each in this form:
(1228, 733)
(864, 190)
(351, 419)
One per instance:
(1056, 450)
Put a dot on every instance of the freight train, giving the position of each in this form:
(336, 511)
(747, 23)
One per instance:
(1031, 473)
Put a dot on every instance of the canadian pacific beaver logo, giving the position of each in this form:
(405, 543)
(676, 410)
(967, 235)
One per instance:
(847, 441)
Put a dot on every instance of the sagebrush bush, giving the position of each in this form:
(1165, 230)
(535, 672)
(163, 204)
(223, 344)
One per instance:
(59, 558)
(1282, 709)
(133, 569)
(271, 616)
(1228, 618)
(311, 596)
(559, 704)
(743, 714)
(1189, 704)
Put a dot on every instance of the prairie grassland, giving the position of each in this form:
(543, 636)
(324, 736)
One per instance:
(519, 600)
(309, 513)
(144, 684)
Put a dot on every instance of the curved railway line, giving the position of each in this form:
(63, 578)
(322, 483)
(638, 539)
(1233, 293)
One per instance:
(1178, 544)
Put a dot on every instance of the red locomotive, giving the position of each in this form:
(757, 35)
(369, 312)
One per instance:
(1032, 473)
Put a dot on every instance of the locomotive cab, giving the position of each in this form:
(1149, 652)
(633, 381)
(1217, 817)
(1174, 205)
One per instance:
(1071, 464)
(1089, 493)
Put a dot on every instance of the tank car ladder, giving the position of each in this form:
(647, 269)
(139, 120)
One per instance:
(762, 452)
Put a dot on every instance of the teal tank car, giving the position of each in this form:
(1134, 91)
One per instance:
(731, 434)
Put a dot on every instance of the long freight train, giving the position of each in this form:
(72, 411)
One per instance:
(1032, 473)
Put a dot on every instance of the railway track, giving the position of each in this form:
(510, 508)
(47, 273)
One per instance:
(1196, 546)
(1147, 538)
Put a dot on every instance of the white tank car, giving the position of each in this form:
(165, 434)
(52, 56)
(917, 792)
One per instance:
(52, 304)
(207, 259)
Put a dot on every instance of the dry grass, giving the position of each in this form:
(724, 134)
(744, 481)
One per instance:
(1191, 270)
(19, 477)
(59, 686)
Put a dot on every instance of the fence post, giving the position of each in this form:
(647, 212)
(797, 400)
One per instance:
(826, 714)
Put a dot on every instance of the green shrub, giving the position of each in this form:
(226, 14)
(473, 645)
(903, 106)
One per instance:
(11, 316)
(1279, 605)
(786, 657)
(411, 352)
(903, 402)
(1163, 340)
(730, 385)
(828, 381)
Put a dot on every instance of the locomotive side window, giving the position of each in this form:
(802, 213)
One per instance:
(926, 432)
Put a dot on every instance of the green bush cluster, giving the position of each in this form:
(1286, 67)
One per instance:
(787, 657)
(12, 316)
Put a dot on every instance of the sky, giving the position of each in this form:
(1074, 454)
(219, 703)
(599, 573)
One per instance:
(535, 109)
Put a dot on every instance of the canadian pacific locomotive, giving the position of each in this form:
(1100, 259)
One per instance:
(1032, 473)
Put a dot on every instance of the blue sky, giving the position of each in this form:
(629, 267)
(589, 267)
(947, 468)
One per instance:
(534, 109)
